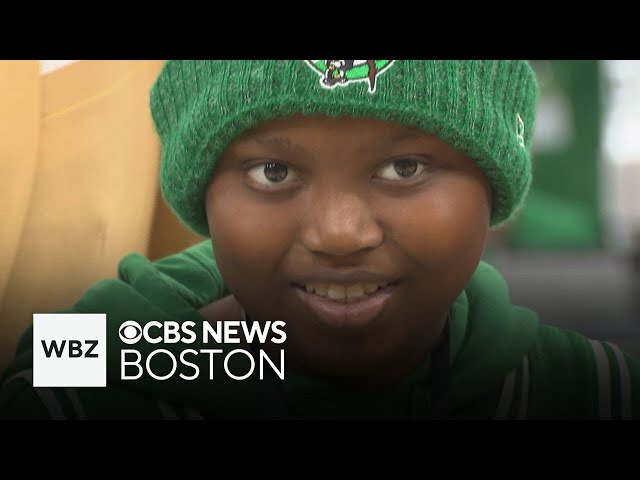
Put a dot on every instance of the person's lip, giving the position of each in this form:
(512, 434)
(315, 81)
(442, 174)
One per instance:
(359, 313)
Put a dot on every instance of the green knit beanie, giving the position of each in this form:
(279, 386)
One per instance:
(484, 108)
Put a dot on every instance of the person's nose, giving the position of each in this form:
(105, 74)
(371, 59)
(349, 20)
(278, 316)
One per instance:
(340, 224)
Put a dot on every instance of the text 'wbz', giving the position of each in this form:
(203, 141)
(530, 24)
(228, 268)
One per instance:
(162, 364)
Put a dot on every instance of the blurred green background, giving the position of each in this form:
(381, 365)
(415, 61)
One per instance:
(563, 209)
(573, 253)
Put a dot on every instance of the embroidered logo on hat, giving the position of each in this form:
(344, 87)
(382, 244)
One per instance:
(520, 129)
(343, 72)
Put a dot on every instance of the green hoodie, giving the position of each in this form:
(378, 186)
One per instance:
(503, 364)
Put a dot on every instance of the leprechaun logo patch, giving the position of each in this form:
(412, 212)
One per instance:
(344, 72)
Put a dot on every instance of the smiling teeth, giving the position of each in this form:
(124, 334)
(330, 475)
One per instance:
(344, 293)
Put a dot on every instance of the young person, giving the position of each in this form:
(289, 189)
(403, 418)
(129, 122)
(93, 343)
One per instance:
(350, 200)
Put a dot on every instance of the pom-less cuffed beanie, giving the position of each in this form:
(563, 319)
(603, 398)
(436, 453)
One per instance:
(484, 108)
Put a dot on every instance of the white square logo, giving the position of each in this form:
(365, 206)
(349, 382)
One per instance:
(69, 350)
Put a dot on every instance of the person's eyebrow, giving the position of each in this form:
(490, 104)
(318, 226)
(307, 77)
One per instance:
(391, 140)
(280, 144)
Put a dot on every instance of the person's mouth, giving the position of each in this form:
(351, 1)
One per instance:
(353, 304)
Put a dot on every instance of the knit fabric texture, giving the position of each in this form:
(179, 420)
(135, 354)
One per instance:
(484, 108)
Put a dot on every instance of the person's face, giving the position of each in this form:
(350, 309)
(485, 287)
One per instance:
(358, 233)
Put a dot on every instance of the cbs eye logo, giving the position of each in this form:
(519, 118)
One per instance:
(130, 332)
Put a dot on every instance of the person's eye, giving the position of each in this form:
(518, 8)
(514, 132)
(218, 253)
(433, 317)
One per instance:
(401, 169)
(271, 175)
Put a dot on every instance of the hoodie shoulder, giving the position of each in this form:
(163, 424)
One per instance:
(167, 289)
(546, 372)
(574, 377)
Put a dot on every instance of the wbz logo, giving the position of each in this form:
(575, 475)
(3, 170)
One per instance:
(69, 350)
(75, 348)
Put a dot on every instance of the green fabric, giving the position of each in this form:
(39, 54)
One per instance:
(489, 338)
(486, 109)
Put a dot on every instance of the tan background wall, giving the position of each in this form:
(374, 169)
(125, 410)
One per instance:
(78, 184)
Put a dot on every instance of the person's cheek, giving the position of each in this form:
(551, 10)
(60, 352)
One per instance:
(442, 229)
(249, 237)
(464, 223)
